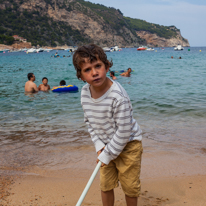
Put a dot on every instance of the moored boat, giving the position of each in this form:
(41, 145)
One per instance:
(107, 49)
(141, 48)
(150, 49)
(115, 48)
(48, 50)
(178, 48)
(39, 50)
(32, 50)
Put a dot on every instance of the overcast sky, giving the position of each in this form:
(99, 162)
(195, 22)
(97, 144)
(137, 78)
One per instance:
(187, 15)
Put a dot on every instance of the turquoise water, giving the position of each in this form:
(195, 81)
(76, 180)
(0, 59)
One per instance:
(168, 98)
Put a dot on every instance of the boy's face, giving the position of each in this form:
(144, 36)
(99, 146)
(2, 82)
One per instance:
(94, 73)
(45, 81)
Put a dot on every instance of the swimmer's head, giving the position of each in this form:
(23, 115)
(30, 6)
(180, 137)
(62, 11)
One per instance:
(44, 81)
(112, 74)
(171, 57)
(62, 83)
(129, 70)
(31, 76)
(90, 53)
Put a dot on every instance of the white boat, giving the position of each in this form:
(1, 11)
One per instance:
(178, 48)
(107, 49)
(31, 50)
(150, 49)
(48, 50)
(39, 50)
(115, 48)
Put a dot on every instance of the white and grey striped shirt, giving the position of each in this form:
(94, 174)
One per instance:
(110, 121)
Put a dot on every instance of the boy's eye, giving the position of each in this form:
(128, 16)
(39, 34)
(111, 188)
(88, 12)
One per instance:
(98, 66)
(86, 70)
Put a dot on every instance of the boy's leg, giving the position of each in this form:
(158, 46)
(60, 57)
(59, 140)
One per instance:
(108, 198)
(131, 201)
(108, 181)
(128, 164)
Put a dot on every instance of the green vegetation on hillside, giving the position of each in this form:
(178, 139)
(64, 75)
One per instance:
(9, 40)
(37, 29)
(162, 31)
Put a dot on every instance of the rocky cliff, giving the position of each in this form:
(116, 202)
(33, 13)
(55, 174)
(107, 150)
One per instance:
(76, 22)
(153, 40)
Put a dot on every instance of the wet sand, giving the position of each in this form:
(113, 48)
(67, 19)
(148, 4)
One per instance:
(169, 176)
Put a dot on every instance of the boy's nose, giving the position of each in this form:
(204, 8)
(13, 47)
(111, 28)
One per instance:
(94, 72)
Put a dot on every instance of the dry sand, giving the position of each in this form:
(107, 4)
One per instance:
(168, 178)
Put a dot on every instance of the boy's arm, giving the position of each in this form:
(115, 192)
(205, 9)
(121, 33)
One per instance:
(123, 117)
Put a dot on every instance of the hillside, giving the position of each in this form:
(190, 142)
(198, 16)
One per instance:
(77, 22)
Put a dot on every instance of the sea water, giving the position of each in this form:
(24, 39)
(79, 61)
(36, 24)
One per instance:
(168, 96)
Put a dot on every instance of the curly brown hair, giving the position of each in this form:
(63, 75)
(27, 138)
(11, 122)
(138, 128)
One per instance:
(91, 52)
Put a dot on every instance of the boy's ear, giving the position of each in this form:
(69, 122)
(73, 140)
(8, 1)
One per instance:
(107, 69)
(82, 78)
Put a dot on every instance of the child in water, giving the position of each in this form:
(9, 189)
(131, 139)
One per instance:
(112, 75)
(61, 83)
(115, 133)
(44, 86)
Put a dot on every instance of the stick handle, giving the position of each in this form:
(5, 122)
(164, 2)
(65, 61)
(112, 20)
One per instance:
(88, 184)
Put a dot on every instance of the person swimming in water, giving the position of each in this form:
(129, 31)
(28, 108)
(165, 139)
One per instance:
(30, 86)
(61, 83)
(44, 86)
(112, 75)
(127, 73)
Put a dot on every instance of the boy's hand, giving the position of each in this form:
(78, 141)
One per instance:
(98, 153)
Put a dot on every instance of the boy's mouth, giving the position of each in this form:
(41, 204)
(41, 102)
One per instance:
(96, 80)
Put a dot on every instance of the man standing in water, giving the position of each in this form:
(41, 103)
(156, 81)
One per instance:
(30, 86)
(127, 73)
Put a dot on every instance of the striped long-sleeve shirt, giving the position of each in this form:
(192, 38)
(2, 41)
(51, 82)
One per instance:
(110, 121)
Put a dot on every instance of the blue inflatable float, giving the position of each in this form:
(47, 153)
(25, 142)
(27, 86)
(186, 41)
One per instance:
(65, 88)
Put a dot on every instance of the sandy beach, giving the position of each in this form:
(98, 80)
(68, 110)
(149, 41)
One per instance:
(169, 177)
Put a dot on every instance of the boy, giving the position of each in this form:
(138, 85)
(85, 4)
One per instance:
(44, 87)
(30, 86)
(112, 75)
(61, 83)
(127, 73)
(114, 132)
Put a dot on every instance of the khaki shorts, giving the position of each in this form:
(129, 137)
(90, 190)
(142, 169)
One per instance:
(126, 169)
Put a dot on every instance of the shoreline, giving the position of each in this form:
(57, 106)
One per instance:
(62, 47)
(168, 178)
(28, 46)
